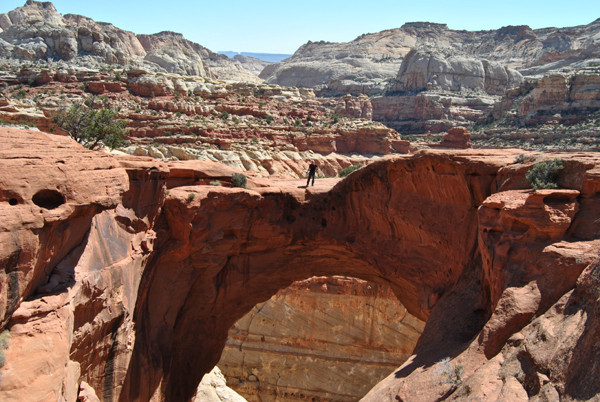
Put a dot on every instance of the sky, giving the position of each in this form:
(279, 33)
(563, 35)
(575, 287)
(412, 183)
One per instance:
(282, 26)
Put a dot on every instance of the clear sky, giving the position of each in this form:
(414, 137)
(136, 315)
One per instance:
(281, 26)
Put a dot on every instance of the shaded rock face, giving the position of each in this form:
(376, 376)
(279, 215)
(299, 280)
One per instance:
(37, 31)
(72, 257)
(296, 345)
(117, 288)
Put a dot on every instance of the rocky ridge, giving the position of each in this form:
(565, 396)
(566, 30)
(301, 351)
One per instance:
(535, 89)
(504, 84)
(267, 129)
(100, 282)
(37, 31)
(370, 62)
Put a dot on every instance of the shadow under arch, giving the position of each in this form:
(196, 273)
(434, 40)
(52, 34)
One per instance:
(407, 223)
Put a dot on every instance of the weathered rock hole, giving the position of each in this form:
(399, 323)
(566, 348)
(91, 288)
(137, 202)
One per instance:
(48, 199)
(13, 201)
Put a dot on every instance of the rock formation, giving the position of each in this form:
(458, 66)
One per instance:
(264, 129)
(427, 78)
(120, 287)
(422, 70)
(37, 31)
(300, 343)
(368, 63)
(213, 388)
(457, 137)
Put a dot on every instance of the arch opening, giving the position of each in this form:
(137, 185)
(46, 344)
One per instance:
(327, 338)
(218, 256)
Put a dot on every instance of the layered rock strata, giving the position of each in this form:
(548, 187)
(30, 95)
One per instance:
(264, 129)
(369, 63)
(319, 339)
(123, 289)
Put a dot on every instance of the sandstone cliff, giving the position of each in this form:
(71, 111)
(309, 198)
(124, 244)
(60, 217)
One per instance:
(319, 339)
(37, 31)
(124, 289)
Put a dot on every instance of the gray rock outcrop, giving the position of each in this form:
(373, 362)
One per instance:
(370, 62)
(423, 70)
(37, 31)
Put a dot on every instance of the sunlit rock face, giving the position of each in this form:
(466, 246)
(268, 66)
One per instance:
(325, 338)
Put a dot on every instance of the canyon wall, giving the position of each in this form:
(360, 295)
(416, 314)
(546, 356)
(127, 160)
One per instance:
(263, 129)
(323, 339)
(114, 286)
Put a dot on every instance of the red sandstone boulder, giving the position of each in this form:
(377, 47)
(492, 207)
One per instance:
(457, 137)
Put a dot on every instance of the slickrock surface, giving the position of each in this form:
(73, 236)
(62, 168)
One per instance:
(115, 287)
(213, 388)
(323, 338)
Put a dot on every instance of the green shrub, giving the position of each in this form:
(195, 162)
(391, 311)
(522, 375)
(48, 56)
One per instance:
(91, 127)
(238, 180)
(215, 183)
(449, 373)
(191, 196)
(20, 94)
(545, 174)
(346, 171)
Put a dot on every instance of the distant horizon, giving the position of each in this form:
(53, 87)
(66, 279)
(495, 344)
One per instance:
(274, 27)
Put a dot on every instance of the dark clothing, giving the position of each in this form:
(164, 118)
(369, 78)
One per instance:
(312, 169)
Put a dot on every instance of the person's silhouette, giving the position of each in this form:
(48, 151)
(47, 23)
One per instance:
(312, 169)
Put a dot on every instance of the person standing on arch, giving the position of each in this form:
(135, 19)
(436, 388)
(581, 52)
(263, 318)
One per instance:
(312, 169)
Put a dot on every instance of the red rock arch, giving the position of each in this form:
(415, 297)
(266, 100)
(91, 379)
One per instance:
(410, 224)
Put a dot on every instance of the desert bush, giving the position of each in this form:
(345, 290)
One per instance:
(545, 174)
(91, 127)
(522, 158)
(238, 180)
(449, 373)
(215, 183)
(191, 197)
(4, 338)
(346, 171)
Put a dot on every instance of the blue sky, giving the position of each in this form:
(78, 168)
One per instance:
(281, 26)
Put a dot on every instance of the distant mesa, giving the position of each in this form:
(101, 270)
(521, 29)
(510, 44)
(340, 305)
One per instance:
(269, 57)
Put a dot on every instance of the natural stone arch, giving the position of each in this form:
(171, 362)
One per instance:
(410, 223)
